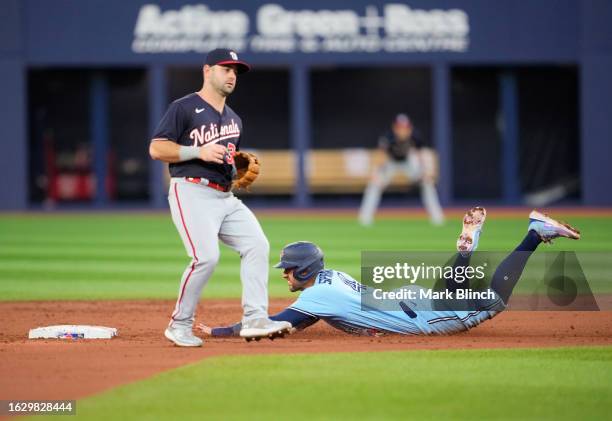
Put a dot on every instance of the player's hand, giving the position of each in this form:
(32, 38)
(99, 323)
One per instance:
(213, 153)
(207, 330)
(428, 178)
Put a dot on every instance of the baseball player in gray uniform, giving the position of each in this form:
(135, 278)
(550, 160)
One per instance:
(406, 152)
(198, 136)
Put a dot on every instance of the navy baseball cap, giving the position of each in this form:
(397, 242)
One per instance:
(402, 120)
(222, 56)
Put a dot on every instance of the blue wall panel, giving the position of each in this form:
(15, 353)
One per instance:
(100, 33)
(14, 157)
(11, 27)
(596, 98)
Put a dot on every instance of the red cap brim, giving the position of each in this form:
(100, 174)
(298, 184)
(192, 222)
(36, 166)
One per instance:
(242, 66)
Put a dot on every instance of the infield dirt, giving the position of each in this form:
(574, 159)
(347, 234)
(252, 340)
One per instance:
(71, 369)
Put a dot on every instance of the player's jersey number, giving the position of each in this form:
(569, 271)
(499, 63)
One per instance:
(229, 155)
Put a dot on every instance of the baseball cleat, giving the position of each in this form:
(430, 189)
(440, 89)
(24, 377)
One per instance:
(257, 339)
(280, 334)
(548, 228)
(470, 234)
(264, 327)
(182, 336)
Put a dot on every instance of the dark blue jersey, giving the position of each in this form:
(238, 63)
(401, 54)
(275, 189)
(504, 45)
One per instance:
(191, 121)
(398, 149)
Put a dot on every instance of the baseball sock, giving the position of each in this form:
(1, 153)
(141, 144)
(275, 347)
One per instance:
(510, 269)
(460, 261)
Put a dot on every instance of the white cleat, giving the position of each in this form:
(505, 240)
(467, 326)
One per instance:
(470, 234)
(182, 336)
(264, 328)
(548, 228)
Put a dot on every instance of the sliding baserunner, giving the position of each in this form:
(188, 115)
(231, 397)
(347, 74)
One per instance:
(337, 298)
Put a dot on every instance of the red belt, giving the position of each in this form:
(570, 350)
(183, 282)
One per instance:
(198, 180)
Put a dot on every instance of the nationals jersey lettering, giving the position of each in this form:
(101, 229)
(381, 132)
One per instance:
(213, 134)
(191, 121)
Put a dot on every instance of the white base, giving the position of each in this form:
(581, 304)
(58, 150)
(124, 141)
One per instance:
(72, 332)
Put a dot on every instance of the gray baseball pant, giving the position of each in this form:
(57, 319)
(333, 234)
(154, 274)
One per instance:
(202, 216)
(382, 177)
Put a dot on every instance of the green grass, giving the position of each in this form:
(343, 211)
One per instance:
(141, 256)
(568, 383)
(132, 256)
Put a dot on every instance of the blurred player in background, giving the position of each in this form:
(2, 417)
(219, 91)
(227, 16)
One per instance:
(406, 152)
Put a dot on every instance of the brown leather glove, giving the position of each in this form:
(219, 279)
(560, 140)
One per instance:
(247, 169)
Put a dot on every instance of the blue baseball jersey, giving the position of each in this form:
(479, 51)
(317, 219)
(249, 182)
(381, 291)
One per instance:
(337, 298)
(191, 121)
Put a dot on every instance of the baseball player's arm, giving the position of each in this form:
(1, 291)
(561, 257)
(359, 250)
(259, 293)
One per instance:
(423, 152)
(298, 320)
(383, 145)
(171, 152)
(426, 157)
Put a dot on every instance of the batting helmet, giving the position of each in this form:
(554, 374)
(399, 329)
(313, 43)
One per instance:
(303, 256)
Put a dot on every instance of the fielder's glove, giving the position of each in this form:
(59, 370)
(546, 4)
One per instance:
(247, 170)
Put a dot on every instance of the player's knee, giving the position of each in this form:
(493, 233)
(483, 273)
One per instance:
(262, 244)
(377, 181)
(208, 258)
(258, 245)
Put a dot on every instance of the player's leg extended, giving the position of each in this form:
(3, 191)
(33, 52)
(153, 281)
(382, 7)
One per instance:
(429, 194)
(197, 218)
(461, 315)
(542, 228)
(371, 196)
(467, 243)
(242, 232)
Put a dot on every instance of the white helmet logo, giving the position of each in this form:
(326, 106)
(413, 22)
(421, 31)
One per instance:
(234, 55)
